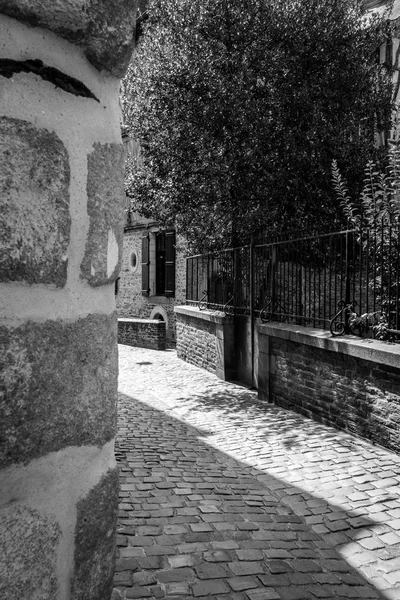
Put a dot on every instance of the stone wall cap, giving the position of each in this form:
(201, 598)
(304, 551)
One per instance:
(142, 321)
(376, 351)
(212, 316)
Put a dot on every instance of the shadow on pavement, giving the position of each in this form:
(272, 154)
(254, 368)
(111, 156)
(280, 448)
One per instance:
(195, 522)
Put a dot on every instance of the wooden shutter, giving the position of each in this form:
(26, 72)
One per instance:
(170, 263)
(145, 265)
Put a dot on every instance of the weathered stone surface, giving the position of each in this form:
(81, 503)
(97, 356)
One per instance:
(34, 218)
(95, 540)
(360, 396)
(28, 559)
(143, 333)
(104, 29)
(59, 386)
(105, 192)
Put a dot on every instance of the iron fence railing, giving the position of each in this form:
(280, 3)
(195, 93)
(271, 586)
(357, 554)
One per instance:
(347, 281)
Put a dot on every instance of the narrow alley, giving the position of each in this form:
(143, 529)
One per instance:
(223, 496)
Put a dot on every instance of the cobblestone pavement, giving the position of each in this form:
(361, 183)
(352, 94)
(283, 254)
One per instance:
(227, 497)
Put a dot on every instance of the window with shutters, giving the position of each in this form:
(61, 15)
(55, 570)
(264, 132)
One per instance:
(158, 264)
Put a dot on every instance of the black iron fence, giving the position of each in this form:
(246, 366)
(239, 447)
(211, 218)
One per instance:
(347, 281)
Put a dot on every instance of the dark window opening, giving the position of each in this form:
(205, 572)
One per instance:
(116, 286)
(160, 264)
(160, 273)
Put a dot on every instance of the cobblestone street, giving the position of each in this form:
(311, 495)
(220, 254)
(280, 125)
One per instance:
(223, 496)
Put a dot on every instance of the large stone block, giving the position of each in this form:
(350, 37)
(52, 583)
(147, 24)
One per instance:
(59, 386)
(28, 557)
(34, 217)
(95, 540)
(104, 29)
(106, 199)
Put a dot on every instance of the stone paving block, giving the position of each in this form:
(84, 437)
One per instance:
(217, 556)
(140, 540)
(146, 530)
(266, 594)
(144, 578)
(150, 562)
(372, 543)
(213, 587)
(186, 560)
(138, 592)
(131, 552)
(246, 567)
(158, 550)
(192, 547)
(201, 527)
(197, 537)
(249, 554)
(238, 584)
(225, 545)
(317, 591)
(300, 578)
(305, 566)
(279, 566)
(175, 529)
(212, 571)
(179, 588)
(248, 526)
(389, 566)
(182, 574)
(296, 593)
(123, 579)
(126, 564)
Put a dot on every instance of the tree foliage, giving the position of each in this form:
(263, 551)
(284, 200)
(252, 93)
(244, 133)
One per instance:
(240, 106)
(375, 214)
(379, 199)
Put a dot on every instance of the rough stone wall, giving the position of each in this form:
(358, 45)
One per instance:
(142, 333)
(61, 226)
(131, 302)
(345, 391)
(196, 342)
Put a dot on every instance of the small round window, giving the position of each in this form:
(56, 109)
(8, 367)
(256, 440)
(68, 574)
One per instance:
(133, 261)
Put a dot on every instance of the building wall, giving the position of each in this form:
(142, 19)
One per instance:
(130, 300)
(61, 184)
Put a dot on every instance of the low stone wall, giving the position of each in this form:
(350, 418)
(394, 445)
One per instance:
(206, 339)
(350, 383)
(142, 333)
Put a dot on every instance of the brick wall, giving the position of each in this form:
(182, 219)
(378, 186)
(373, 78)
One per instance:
(142, 333)
(206, 339)
(351, 384)
(196, 343)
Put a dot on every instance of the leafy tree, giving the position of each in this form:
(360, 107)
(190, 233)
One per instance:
(241, 106)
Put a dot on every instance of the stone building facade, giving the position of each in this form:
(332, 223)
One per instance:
(61, 162)
(151, 281)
